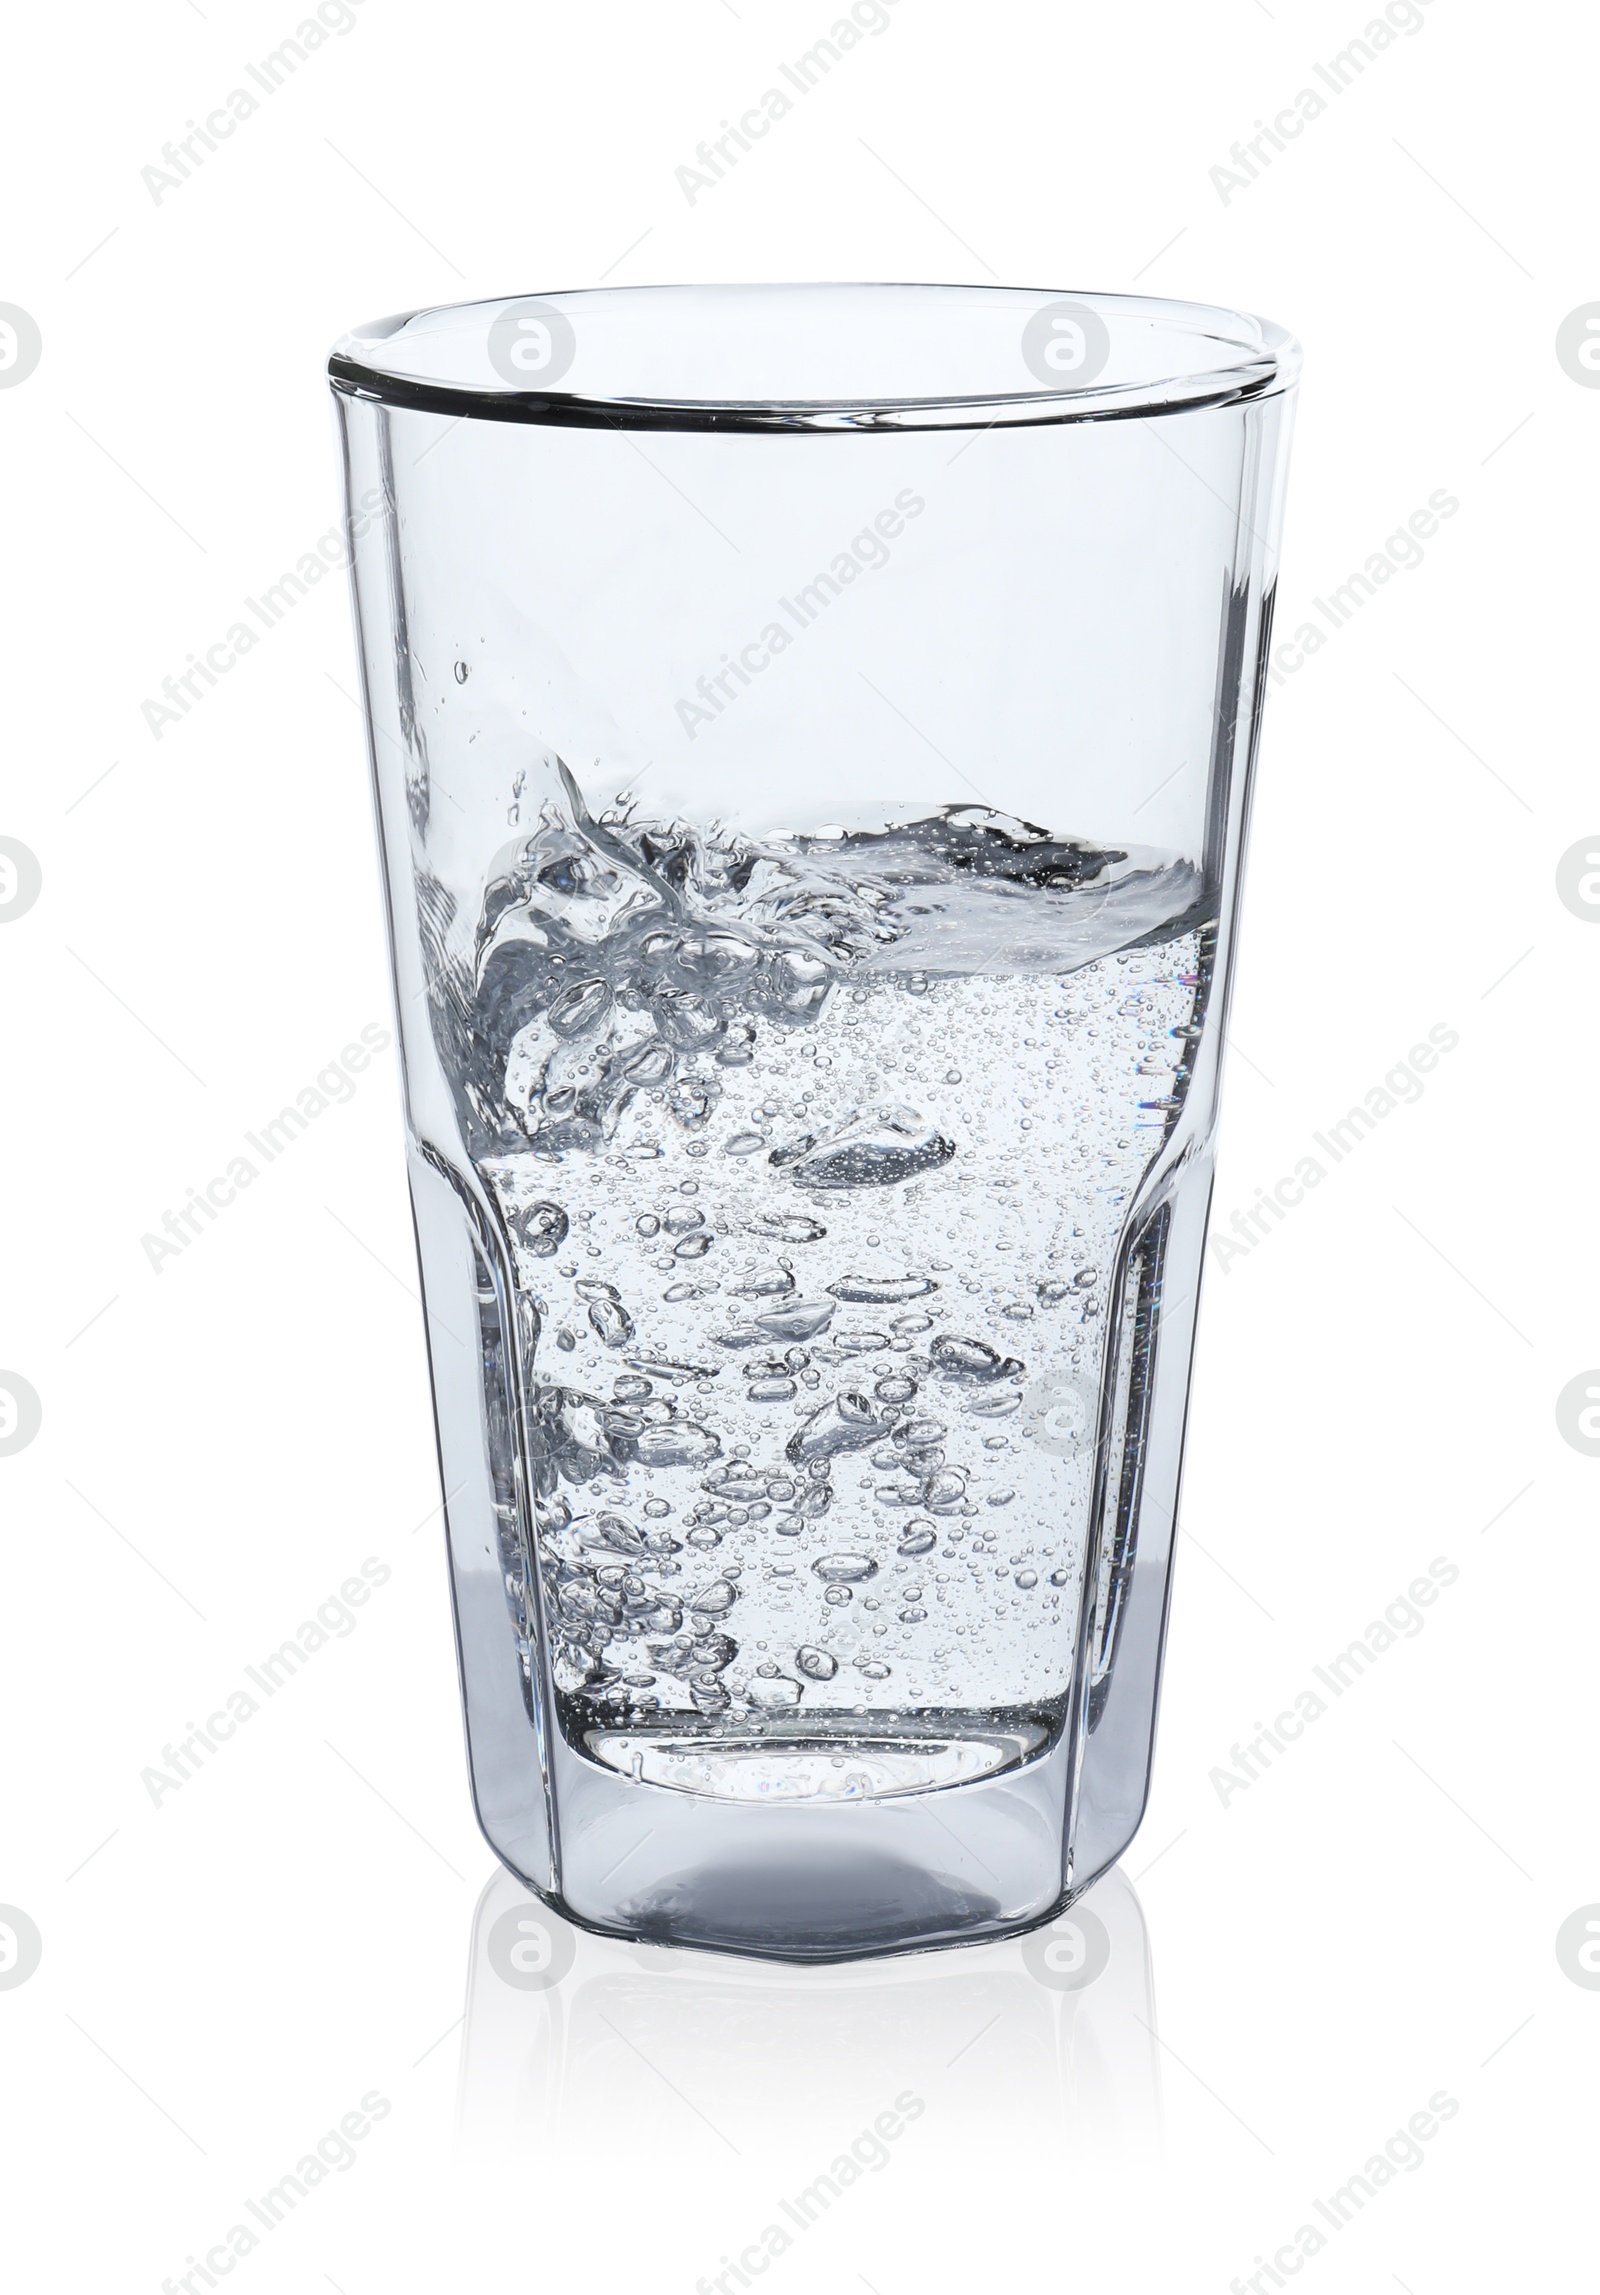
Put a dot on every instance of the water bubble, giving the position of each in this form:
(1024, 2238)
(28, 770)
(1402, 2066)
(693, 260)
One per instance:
(997, 1402)
(673, 1373)
(462, 673)
(647, 1064)
(743, 1143)
(876, 1150)
(969, 1359)
(919, 1538)
(838, 1596)
(788, 1227)
(816, 1664)
(881, 1290)
(647, 1224)
(798, 1319)
(920, 1433)
(766, 1283)
(679, 1443)
(1027, 1578)
(540, 1228)
(712, 1601)
(692, 1247)
(682, 1218)
(895, 1389)
(578, 1010)
(847, 1423)
(775, 1696)
(845, 1569)
(611, 1322)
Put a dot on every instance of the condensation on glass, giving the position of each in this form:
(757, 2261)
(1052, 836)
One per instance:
(812, 732)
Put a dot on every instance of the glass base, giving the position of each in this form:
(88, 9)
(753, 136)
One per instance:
(798, 1765)
(791, 1875)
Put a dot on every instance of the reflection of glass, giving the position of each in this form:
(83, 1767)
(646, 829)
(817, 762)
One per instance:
(558, 2020)
(813, 845)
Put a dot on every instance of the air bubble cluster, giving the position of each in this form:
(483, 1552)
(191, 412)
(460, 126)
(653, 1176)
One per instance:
(812, 1159)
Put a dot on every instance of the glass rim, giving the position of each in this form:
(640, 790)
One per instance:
(1170, 357)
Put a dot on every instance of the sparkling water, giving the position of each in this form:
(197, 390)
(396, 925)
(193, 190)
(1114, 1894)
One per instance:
(813, 1155)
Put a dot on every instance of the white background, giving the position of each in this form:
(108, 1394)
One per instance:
(226, 1974)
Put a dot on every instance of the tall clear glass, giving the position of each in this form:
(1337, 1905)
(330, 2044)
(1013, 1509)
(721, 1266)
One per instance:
(812, 731)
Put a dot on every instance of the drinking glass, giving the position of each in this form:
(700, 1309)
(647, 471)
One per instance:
(812, 731)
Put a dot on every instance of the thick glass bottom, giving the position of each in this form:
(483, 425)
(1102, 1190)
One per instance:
(791, 1875)
(799, 1765)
